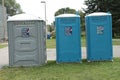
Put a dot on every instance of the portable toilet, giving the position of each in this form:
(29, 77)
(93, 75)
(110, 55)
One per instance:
(68, 46)
(99, 36)
(27, 42)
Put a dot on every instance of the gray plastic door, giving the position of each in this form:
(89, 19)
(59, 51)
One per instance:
(25, 50)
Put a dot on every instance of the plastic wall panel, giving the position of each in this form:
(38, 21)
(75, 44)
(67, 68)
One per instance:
(26, 43)
(99, 38)
(68, 44)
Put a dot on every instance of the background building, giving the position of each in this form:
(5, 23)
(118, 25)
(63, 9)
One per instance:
(3, 24)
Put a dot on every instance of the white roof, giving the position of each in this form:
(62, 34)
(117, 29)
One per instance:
(99, 14)
(21, 17)
(68, 15)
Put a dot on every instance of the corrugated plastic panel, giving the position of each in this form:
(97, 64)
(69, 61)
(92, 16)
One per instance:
(68, 44)
(26, 43)
(99, 38)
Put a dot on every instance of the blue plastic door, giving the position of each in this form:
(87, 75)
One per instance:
(99, 38)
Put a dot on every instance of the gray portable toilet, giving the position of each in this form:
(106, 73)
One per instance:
(27, 41)
(99, 36)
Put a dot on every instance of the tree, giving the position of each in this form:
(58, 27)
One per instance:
(12, 7)
(73, 11)
(50, 28)
(82, 18)
(65, 10)
(112, 6)
(97, 6)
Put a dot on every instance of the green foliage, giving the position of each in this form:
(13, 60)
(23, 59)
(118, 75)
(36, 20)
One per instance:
(97, 5)
(82, 18)
(73, 11)
(65, 10)
(12, 7)
(112, 6)
(53, 35)
(65, 71)
(50, 28)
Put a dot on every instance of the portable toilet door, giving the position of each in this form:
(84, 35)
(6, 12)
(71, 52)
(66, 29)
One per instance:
(99, 36)
(68, 46)
(26, 40)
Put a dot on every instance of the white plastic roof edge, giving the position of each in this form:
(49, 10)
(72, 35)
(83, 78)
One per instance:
(23, 17)
(67, 15)
(99, 14)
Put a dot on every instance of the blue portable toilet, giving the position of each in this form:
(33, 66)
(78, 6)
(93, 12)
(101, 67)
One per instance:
(68, 46)
(99, 36)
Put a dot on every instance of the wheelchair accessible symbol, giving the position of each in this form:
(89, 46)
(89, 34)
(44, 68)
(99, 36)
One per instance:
(25, 32)
(68, 31)
(100, 29)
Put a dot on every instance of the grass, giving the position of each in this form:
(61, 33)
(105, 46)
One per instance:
(116, 41)
(51, 43)
(2, 45)
(65, 71)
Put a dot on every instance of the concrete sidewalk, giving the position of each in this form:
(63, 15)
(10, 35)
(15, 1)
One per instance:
(51, 54)
(4, 60)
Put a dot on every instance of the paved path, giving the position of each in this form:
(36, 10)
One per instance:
(4, 56)
(51, 54)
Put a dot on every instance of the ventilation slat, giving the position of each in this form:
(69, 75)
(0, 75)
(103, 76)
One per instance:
(68, 21)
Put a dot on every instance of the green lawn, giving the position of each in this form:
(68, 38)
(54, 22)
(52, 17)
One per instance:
(51, 43)
(2, 45)
(65, 71)
(116, 42)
